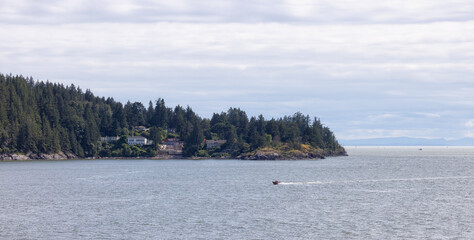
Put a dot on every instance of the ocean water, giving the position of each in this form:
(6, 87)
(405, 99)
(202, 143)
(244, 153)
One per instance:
(375, 193)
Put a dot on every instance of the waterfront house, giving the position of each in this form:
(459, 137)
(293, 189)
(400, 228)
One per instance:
(172, 146)
(138, 140)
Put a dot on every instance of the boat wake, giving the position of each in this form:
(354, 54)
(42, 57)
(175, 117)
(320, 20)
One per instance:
(303, 183)
(377, 180)
(413, 179)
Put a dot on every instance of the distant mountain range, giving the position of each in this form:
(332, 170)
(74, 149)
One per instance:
(407, 141)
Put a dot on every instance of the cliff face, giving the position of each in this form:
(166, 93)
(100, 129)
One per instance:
(286, 153)
(34, 156)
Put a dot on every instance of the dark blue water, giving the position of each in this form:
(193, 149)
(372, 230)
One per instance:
(375, 193)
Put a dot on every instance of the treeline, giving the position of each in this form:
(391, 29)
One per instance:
(44, 117)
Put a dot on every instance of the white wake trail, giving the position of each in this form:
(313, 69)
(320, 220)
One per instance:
(377, 180)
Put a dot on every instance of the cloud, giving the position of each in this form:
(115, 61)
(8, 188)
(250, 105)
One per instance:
(469, 134)
(383, 116)
(429, 115)
(469, 123)
(244, 11)
(320, 48)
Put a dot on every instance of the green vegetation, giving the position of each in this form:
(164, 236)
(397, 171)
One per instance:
(43, 117)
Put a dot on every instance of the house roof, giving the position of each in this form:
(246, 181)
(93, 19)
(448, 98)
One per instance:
(137, 137)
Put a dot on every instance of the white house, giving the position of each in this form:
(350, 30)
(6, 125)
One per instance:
(137, 140)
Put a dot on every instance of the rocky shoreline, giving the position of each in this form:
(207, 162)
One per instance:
(37, 156)
(284, 154)
(260, 154)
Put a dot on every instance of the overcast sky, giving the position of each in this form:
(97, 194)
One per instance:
(366, 68)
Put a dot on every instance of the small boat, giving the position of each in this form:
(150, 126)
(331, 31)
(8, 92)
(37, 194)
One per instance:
(275, 182)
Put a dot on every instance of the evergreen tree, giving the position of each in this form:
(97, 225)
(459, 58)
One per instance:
(194, 141)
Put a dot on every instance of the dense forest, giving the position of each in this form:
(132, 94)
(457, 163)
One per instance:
(45, 117)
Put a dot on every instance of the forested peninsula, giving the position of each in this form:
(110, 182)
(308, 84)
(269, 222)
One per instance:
(44, 120)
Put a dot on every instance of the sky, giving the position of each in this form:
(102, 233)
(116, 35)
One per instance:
(366, 68)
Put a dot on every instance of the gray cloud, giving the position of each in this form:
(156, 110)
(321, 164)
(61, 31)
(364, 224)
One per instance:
(213, 11)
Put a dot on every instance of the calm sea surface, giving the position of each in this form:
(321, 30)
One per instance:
(375, 193)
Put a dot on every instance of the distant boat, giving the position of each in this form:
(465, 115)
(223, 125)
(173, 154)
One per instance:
(275, 182)
(420, 149)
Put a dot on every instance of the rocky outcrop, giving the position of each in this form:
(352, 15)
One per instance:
(286, 153)
(265, 155)
(36, 156)
(261, 155)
